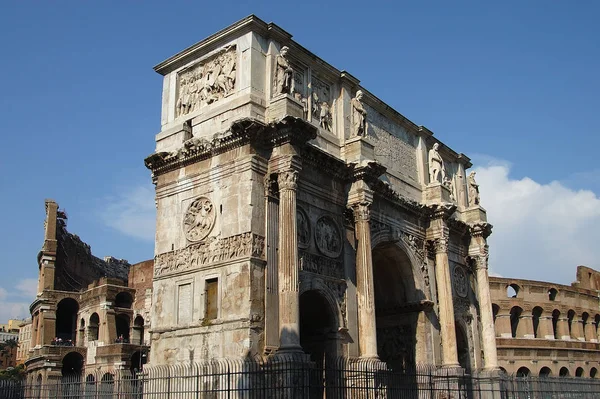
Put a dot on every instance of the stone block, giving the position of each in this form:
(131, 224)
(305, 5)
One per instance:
(357, 149)
(283, 106)
(474, 214)
(437, 193)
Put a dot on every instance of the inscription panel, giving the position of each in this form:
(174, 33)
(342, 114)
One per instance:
(184, 305)
(395, 148)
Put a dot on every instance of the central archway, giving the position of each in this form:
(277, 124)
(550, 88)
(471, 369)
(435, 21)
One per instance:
(318, 326)
(397, 306)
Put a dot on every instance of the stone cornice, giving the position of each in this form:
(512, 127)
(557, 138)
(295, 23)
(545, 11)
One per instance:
(482, 229)
(320, 160)
(295, 131)
(442, 211)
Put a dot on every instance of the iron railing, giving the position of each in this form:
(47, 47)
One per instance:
(291, 377)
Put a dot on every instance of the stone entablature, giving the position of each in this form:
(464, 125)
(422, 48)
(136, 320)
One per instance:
(254, 69)
(555, 325)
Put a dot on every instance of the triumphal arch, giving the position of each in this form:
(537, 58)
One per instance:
(297, 213)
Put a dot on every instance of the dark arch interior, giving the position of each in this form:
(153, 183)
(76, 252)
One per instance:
(66, 319)
(536, 314)
(564, 372)
(515, 314)
(545, 372)
(396, 306)
(122, 322)
(523, 372)
(579, 372)
(555, 316)
(93, 327)
(462, 346)
(593, 372)
(317, 326)
(123, 300)
(72, 364)
(138, 359)
(138, 331)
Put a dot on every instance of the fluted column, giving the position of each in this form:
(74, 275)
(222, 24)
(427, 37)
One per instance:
(365, 286)
(445, 302)
(485, 307)
(288, 282)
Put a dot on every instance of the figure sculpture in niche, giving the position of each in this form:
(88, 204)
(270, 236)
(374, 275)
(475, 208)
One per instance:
(473, 190)
(359, 115)
(325, 116)
(284, 72)
(436, 166)
(448, 184)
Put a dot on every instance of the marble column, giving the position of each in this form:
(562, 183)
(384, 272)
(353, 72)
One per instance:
(485, 308)
(365, 286)
(288, 279)
(445, 302)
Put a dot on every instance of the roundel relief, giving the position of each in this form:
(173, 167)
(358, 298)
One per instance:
(303, 226)
(459, 278)
(327, 237)
(199, 219)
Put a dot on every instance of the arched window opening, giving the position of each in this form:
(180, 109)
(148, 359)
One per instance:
(552, 294)
(138, 331)
(93, 327)
(515, 314)
(512, 291)
(523, 372)
(570, 317)
(536, 315)
(593, 372)
(545, 372)
(123, 300)
(579, 372)
(66, 322)
(495, 311)
(585, 319)
(122, 321)
(564, 372)
(555, 316)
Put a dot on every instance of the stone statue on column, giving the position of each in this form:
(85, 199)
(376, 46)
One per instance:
(285, 73)
(473, 190)
(436, 165)
(359, 115)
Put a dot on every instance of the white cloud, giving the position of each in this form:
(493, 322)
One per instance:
(27, 287)
(541, 231)
(13, 310)
(132, 212)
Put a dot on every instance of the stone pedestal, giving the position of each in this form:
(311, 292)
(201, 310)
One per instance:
(358, 150)
(503, 328)
(437, 193)
(545, 328)
(473, 214)
(525, 327)
(282, 106)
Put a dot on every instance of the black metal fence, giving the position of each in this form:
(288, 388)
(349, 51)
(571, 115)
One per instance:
(282, 377)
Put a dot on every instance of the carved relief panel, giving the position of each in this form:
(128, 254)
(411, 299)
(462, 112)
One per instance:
(206, 82)
(199, 219)
(321, 104)
(303, 226)
(460, 281)
(328, 237)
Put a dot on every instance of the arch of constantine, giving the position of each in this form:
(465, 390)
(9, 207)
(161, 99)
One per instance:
(298, 213)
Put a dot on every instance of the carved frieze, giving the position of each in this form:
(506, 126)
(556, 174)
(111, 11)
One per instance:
(460, 281)
(303, 227)
(320, 265)
(199, 219)
(417, 245)
(206, 82)
(209, 251)
(328, 237)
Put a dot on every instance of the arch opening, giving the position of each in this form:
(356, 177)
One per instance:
(66, 320)
(462, 347)
(318, 326)
(123, 300)
(122, 322)
(523, 372)
(138, 331)
(93, 327)
(397, 306)
(515, 315)
(579, 372)
(536, 315)
(545, 372)
(512, 291)
(552, 294)
(564, 372)
(555, 316)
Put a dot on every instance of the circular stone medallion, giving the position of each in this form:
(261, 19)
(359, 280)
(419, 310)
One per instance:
(459, 280)
(199, 219)
(327, 237)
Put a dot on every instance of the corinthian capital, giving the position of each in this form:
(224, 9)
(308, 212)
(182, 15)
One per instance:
(440, 245)
(287, 180)
(361, 211)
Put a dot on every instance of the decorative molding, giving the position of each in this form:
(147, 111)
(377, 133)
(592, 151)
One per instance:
(460, 281)
(361, 211)
(320, 265)
(211, 250)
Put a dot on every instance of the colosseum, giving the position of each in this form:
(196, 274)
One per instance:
(548, 329)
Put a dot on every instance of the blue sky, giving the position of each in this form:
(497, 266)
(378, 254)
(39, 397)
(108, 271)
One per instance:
(512, 84)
